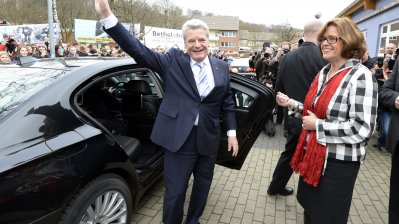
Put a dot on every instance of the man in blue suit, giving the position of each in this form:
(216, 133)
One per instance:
(197, 91)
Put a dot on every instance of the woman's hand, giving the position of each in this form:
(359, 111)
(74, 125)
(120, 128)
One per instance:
(283, 100)
(309, 122)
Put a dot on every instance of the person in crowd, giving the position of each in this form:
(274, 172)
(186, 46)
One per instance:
(368, 61)
(263, 66)
(193, 101)
(11, 47)
(6, 37)
(390, 54)
(273, 68)
(22, 51)
(84, 51)
(65, 47)
(381, 74)
(93, 49)
(76, 45)
(296, 73)
(30, 49)
(389, 97)
(105, 51)
(5, 58)
(59, 51)
(41, 52)
(72, 52)
(259, 64)
(338, 118)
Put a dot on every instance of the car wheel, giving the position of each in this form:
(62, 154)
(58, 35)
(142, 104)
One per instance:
(106, 199)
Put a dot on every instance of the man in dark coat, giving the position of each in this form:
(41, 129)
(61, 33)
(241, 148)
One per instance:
(296, 72)
(389, 97)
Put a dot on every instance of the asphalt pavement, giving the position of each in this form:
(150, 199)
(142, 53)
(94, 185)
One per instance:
(240, 196)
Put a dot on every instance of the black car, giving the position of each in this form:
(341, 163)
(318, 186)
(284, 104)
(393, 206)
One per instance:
(75, 138)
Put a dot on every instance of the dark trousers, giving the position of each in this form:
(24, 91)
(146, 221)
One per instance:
(178, 168)
(280, 114)
(330, 201)
(394, 188)
(283, 171)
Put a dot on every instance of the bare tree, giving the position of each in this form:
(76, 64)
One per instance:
(69, 10)
(24, 11)
(170, 15)
(285, 32)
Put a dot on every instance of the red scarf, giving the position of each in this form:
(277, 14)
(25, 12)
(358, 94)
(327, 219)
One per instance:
(309, 163)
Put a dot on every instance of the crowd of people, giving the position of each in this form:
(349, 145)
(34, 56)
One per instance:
(12, 50)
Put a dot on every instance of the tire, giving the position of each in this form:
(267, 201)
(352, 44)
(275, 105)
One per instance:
(106, 199)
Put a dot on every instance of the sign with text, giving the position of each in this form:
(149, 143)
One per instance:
(155, 37)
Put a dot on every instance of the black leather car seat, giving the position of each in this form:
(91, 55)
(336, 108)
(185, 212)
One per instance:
(139, 108)
(138, 99)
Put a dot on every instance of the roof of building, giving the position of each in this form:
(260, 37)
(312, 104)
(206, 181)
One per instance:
(246, 35)
(221, 22)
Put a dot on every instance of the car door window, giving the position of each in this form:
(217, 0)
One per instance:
(140, 74)
(241, 99)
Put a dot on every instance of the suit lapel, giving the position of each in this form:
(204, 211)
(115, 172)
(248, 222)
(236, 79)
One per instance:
(188, 73)
(217, 77)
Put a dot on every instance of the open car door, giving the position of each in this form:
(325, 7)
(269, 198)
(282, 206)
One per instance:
(254, 104)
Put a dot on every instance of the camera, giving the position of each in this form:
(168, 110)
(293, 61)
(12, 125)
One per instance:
(286, 51)
(380, 60)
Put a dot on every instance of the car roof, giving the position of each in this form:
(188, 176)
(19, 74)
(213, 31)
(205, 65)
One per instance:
(20, 83)
(240, 62)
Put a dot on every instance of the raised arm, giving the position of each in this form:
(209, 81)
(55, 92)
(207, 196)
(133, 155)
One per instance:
(102, 8)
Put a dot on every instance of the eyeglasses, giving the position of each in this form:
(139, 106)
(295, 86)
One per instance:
(330, 39)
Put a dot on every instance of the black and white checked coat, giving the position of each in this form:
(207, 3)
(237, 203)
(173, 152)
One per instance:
(351, 114)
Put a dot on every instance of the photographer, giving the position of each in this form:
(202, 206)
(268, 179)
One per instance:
(273, 68)
(391, 53)
(381, 73)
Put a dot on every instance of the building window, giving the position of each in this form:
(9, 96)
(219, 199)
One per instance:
(394, 26)
(384, 29)
(228, 34)
(383, 42)
(389, 34)
(228, 44)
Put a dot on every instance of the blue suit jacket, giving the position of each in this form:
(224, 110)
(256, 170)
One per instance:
(181, 102)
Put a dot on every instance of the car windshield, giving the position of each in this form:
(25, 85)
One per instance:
(17, 83)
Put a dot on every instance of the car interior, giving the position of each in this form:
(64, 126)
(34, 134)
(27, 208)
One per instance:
(126, 104)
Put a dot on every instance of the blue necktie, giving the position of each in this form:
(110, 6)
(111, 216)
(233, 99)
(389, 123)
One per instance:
(202, 83)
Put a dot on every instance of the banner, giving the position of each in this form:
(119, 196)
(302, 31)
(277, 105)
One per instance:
(32, 33)
(90, 31)
(155, 37)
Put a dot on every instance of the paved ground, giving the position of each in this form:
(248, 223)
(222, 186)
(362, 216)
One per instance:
(240, 196)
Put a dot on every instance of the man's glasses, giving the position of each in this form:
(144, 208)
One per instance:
(330, 39)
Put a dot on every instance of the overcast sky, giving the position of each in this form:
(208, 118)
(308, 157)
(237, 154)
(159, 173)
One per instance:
(295, 12)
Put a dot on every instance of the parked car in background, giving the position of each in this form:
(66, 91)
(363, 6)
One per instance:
(75, 138)
(242, 64)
